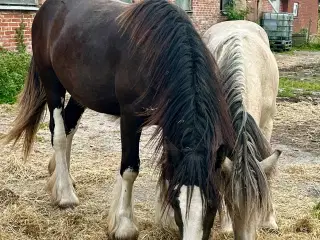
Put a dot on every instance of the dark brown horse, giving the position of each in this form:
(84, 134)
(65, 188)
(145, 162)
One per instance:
(147, 64)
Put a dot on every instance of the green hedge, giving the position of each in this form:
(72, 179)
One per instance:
(13, 70)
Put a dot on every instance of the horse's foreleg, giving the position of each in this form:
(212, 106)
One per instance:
(225, 219)
(60, 183)
(121, 218)
(269, 222)
(164, 218)
(73, 113)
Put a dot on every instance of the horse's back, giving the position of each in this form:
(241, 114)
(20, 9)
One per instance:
(240, 27)
(62, 23)
(258, 64)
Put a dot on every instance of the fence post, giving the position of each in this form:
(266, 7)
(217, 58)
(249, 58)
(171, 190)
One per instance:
(309, 27)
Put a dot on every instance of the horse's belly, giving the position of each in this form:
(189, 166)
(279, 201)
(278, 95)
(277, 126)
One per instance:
(98, 98)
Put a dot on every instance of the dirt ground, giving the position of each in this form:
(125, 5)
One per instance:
(26, 212)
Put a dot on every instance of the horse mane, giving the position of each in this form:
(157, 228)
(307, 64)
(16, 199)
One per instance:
(249, 182)
(190, 109)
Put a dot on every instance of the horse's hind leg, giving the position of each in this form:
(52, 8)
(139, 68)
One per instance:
(121, 219)
(60, 183)
(73, 113)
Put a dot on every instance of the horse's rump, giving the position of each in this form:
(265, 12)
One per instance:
(81, 43)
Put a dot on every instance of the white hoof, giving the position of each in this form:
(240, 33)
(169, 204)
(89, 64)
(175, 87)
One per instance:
(62, 192)
(125, 229)
(270, 225)
(227, 229)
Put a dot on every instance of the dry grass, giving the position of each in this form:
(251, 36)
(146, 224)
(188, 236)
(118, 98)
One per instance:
(26, 212)
(297, 124)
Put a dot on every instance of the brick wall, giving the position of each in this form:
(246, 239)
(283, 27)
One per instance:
(205, 13)
(9, 22)
(308, 11)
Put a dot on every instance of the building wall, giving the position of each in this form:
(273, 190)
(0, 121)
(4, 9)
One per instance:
(307, 13)
(206, 13)
(9, 22)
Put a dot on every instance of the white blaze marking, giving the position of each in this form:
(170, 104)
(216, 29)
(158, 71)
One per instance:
(193, 226)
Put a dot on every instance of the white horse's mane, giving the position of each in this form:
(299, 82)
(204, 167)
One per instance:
(251, 145)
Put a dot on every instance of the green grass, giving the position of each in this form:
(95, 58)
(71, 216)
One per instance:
(293, 88)
(308, 47)
(316, 211)
(13, 70)
(311, 47)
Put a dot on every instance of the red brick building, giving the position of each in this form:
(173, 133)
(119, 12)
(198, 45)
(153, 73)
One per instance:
(306, 13)
(204, 14)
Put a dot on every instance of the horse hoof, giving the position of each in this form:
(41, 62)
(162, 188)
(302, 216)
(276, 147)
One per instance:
(63, 195)
(125, 230)
(270, 226)
(68, 201)
(227, 230)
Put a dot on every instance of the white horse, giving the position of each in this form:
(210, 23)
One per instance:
(250, 79)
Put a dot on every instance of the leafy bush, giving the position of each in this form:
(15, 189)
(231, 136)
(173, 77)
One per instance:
(13, 70)
(233, 13)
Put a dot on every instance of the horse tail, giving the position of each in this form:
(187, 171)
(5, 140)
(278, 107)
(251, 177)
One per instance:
(32, 102)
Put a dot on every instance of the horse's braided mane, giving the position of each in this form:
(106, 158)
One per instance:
(189, 105)
(248, 181)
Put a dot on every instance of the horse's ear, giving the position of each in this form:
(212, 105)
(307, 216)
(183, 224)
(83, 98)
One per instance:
(269, 163)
